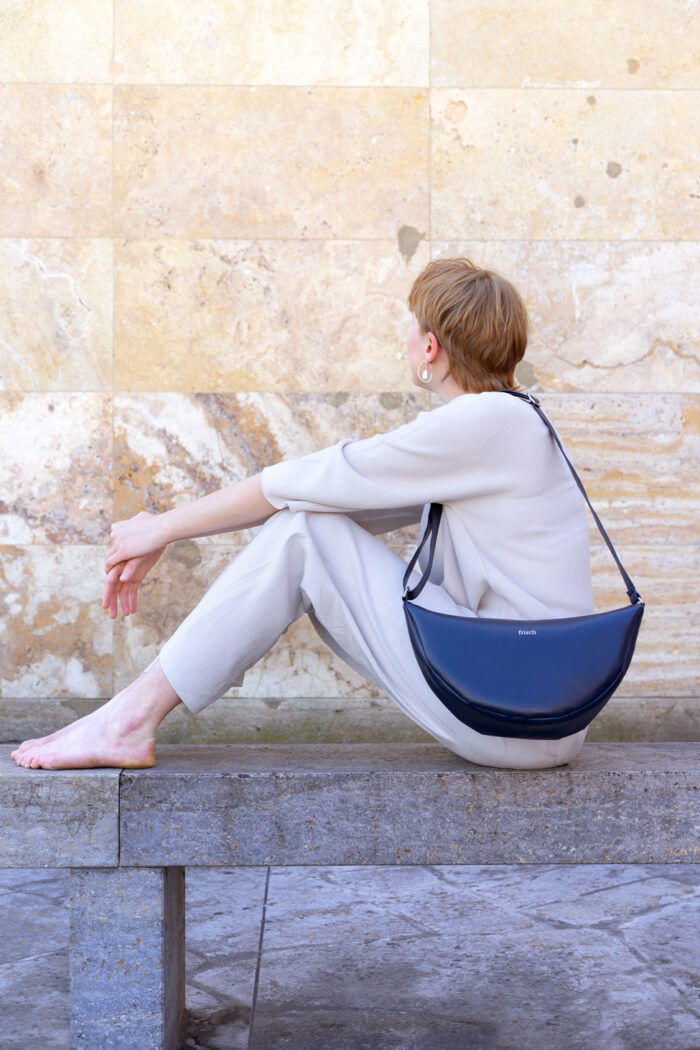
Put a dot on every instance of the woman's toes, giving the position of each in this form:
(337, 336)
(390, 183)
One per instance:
(40, 740)
(26, 744)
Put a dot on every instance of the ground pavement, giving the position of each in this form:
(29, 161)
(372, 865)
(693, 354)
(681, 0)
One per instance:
(584, 957)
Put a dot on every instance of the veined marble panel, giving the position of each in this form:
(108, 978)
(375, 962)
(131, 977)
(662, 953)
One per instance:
(666, 659)
(606, 316)
(272, 42)
(56, 314)
(55, 638)
(299, 664)
(172, 448)
(56, 40)
(551, 164)
(55, 160)
(265, 315)
(560, 43)
(55, 468)
(270, 161)
(638, 457)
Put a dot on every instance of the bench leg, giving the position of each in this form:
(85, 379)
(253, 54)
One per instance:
(127, 958)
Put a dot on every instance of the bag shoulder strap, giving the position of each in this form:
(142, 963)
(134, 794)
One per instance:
(436, 514)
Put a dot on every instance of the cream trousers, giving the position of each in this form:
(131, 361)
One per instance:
(350, 584)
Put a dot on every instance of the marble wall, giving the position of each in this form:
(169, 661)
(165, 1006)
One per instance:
(210, 217)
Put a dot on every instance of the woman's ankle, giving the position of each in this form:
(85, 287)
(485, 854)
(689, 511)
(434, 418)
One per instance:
(145, 702)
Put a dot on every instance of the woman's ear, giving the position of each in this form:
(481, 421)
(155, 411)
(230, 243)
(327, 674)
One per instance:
(432, 347)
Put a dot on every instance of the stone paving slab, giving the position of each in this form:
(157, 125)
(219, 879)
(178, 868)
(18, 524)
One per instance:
(515, 957)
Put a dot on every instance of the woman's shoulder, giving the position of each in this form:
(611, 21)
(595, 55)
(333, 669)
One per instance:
(493, 420)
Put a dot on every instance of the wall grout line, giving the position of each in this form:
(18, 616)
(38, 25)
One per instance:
(112, 395)
(341, 240)
(351, 87)
(430, 130)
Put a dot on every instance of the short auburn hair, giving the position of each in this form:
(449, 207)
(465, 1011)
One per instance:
(479, 319)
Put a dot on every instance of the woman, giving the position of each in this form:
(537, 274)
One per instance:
(513, 542)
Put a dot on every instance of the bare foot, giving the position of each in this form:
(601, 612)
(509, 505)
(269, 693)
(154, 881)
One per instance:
(67, 729)
(119, 734)
(90, 742)
(50, 737)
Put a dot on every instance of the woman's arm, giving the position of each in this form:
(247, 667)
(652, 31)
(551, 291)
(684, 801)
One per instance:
(240, 505)
(138, 542)
(237, 506)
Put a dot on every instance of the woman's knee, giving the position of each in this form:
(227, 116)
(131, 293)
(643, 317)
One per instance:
(309, 522)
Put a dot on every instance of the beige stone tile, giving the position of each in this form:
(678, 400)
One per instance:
(270, 161)
(638, 456)
(55, 160)
(55, 468)
(271, 42)
(605, 316)
(548, 164)
(666, 659)
(172, 448)
(264, 315)
(56, 314)
(56, 40)
(55, 638)
(541, 43)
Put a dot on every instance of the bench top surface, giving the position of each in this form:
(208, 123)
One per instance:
(271, 759)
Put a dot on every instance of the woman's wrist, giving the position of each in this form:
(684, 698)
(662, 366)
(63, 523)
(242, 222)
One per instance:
(166, 527)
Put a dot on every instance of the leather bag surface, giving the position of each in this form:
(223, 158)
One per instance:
(533, 679)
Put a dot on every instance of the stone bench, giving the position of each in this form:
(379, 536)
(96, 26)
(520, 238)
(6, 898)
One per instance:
(128, 836)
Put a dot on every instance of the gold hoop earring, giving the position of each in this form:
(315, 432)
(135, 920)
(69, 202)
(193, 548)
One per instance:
(425, 372)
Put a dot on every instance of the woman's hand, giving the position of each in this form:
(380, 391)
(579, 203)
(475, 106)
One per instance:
(137, 544)
(123, 581)
(135, 537)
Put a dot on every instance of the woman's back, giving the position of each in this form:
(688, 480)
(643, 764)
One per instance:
(513, 540)
(521, 544)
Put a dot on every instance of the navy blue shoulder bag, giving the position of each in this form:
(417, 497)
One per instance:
(533, 679)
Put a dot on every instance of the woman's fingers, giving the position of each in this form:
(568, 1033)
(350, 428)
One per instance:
(109, 587)
(120, 591)
(113, 558)
(129, 591)
(124, 577)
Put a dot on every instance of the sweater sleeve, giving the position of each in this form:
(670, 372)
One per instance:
(440, 456)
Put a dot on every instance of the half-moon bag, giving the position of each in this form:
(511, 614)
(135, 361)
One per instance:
(533, 679)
